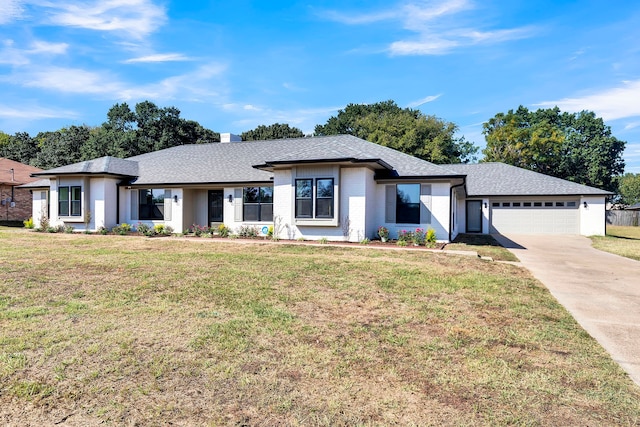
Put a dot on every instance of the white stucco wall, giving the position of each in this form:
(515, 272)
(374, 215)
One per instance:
(439, 206)
(593, 216)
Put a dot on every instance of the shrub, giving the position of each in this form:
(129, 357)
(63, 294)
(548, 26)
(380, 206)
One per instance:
(144, 229)
(383, 232)
(418, 237)
(365, 241)
(270, 231)
(68, 229)
(405, 236)
(223, 230)
(248, 231)
(323, 240)
(44, 222)
(199, 230)
(28, 223)
(122, 229)
(430, 237)
(401, 242)
(168, 230)
(102, 230)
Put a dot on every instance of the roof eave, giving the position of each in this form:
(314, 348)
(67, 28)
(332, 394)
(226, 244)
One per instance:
(271, 165)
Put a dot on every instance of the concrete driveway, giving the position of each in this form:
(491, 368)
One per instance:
(600, 290)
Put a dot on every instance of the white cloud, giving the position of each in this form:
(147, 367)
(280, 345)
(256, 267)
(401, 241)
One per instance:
(610, 104)
(159, 57)
(9, 54)
(135, 18)
(437, 26)
(424, 100)
(39, 46)
(10, 10)
(34, 113)
(195, 86)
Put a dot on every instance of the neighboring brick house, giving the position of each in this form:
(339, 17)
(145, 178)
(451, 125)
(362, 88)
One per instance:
(15, 203)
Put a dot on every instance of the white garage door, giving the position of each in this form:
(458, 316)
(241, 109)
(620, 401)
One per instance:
(527, 217)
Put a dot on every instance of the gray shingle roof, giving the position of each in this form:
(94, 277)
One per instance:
(104, 165)
(234, 162)
(499, 179)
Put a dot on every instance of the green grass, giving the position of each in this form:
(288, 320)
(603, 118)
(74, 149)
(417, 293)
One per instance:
(128, 330)
(623, 241)
(483, 244)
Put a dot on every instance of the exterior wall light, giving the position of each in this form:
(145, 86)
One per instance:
(175, 198)
(585, 205)
(230, 198)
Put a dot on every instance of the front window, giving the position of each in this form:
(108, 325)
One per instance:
(304, 198)
(408, 203)
(69, 201)
(258, 204)
(151, 204)
(322, 205)
(324, 198)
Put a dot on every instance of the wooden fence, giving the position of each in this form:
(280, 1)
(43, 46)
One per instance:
(623, 218)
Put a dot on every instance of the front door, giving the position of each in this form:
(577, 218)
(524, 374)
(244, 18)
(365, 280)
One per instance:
(474, 216)
(216, 199)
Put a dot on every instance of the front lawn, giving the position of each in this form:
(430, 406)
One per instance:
(127, 330)
(484, 244)
(620, 240)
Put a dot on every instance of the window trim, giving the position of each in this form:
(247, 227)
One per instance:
(259, 204)
(142, 191)
(315, 218)
(332, 198)
(416, 208)
(70, 201)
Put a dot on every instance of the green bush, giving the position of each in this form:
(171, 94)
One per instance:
(28, 223)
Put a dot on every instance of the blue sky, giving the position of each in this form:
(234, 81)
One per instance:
(234, 65)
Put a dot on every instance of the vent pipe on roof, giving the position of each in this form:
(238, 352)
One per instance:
(229, 137)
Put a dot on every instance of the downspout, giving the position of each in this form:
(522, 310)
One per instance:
(464, 181)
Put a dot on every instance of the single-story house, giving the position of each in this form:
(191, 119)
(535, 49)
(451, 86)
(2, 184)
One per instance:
(15, 202)
(334, 187)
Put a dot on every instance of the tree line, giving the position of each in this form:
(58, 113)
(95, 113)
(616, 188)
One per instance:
(574, 146)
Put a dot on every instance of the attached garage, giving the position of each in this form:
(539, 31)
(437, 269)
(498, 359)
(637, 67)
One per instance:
(539, 217)
(503, 199)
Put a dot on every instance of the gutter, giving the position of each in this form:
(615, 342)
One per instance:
(464, 182)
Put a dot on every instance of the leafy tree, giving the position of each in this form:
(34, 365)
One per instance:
(403, 129)
(61, 147)
(578, 147)
(629, 188)
(274, 131)
(19, 147)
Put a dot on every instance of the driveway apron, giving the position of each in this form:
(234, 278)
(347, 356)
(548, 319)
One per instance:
(599, 289)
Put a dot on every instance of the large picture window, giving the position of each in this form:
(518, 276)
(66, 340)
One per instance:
(408, 203)
(69, 201)
(320, 206)
(151, 203)
(258, 204)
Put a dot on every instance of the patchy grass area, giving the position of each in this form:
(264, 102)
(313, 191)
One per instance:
(623, 241)
(136, 331)
(483, 244)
